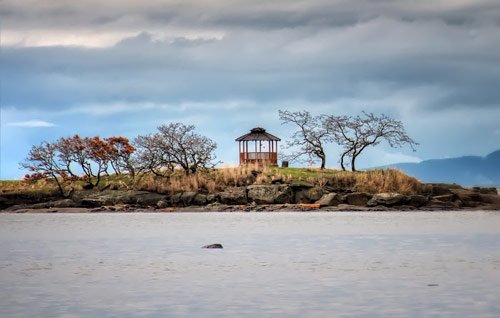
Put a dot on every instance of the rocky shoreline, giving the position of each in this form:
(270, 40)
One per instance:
(258, 198)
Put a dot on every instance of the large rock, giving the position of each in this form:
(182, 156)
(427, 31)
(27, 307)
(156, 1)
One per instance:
(469, 198)
(144, 199)
(188, 197)
(26, 198)
(330, 199)
(358, 198)
(113, 197)
(234, 196)
(387, 199)
(435, 189)
(270, 194)
(199, 199)
(308, 195)
(417, 200)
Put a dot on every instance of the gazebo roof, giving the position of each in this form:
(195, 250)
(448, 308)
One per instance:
(257, 134)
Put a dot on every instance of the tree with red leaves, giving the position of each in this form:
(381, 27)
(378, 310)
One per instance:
(44, 162)
(120, 154)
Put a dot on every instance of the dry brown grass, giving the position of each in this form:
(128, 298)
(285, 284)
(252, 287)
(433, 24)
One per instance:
(216, 180)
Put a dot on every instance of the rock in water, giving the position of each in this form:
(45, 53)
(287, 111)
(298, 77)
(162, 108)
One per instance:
(215, 245)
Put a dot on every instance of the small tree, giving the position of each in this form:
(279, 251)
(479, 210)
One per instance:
(309, 138)
(99, 152)
(175, 145)
(355, 134)
(152, 155)
(43, 161)
(74, 151)
(120, 151)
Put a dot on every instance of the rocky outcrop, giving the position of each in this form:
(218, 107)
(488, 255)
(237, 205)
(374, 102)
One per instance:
(387, 199)
(270, 194)
(358, 198)
(308, 194)
(268, 197)
(330, 199)
(417, 200)
(234, 196)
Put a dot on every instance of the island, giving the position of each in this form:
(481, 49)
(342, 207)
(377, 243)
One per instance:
(248, 188)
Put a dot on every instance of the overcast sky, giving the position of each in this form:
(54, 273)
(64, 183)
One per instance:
(114, 67)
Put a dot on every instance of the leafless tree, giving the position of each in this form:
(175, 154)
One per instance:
(309, 138)
(152, 155)
(355, 134)
(175, 145)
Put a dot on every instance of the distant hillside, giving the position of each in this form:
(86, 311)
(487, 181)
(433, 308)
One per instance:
(467, 170)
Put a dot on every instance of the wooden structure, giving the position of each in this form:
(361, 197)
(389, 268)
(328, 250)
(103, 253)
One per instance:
(264, 149)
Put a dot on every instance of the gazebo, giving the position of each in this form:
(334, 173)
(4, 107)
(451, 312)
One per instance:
(260, 154)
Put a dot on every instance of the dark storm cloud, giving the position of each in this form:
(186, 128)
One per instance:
(314, 64)
(237, 14)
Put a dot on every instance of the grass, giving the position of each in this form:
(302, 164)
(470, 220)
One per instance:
(212, 181)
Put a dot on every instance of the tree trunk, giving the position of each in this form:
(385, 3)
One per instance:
(353, 166)
(59, 186)
(342, 161)
(323, 163)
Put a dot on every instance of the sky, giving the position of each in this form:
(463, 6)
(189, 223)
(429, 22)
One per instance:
(125, 67)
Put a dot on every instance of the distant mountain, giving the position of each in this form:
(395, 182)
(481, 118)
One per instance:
(466, 171)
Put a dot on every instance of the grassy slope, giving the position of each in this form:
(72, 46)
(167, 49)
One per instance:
(375, 181)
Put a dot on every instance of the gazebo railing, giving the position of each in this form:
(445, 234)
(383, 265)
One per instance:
(259, 157)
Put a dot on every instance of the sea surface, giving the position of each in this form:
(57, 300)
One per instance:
(345, 264)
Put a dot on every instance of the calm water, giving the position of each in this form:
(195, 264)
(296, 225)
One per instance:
(272, 264)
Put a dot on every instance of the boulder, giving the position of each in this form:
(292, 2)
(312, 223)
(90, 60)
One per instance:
(199, 199)
(188, 197)
(162, 204)
(417, 200)
(358, 198)
(387, 199)
(435, 189)
(234, 196)
(215, 245)
(114, 197)
(309, 195)
(143, 198)
(270, 194)
(211, 198)
(176, 199)
(329, 199)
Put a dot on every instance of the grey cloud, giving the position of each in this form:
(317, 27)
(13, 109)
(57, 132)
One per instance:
(227, 14)
(299, 64)
(302, 63)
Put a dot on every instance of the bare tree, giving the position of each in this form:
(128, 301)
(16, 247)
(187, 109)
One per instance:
(355, 134)
(175, 145)
(310, 137)
(152, 155)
